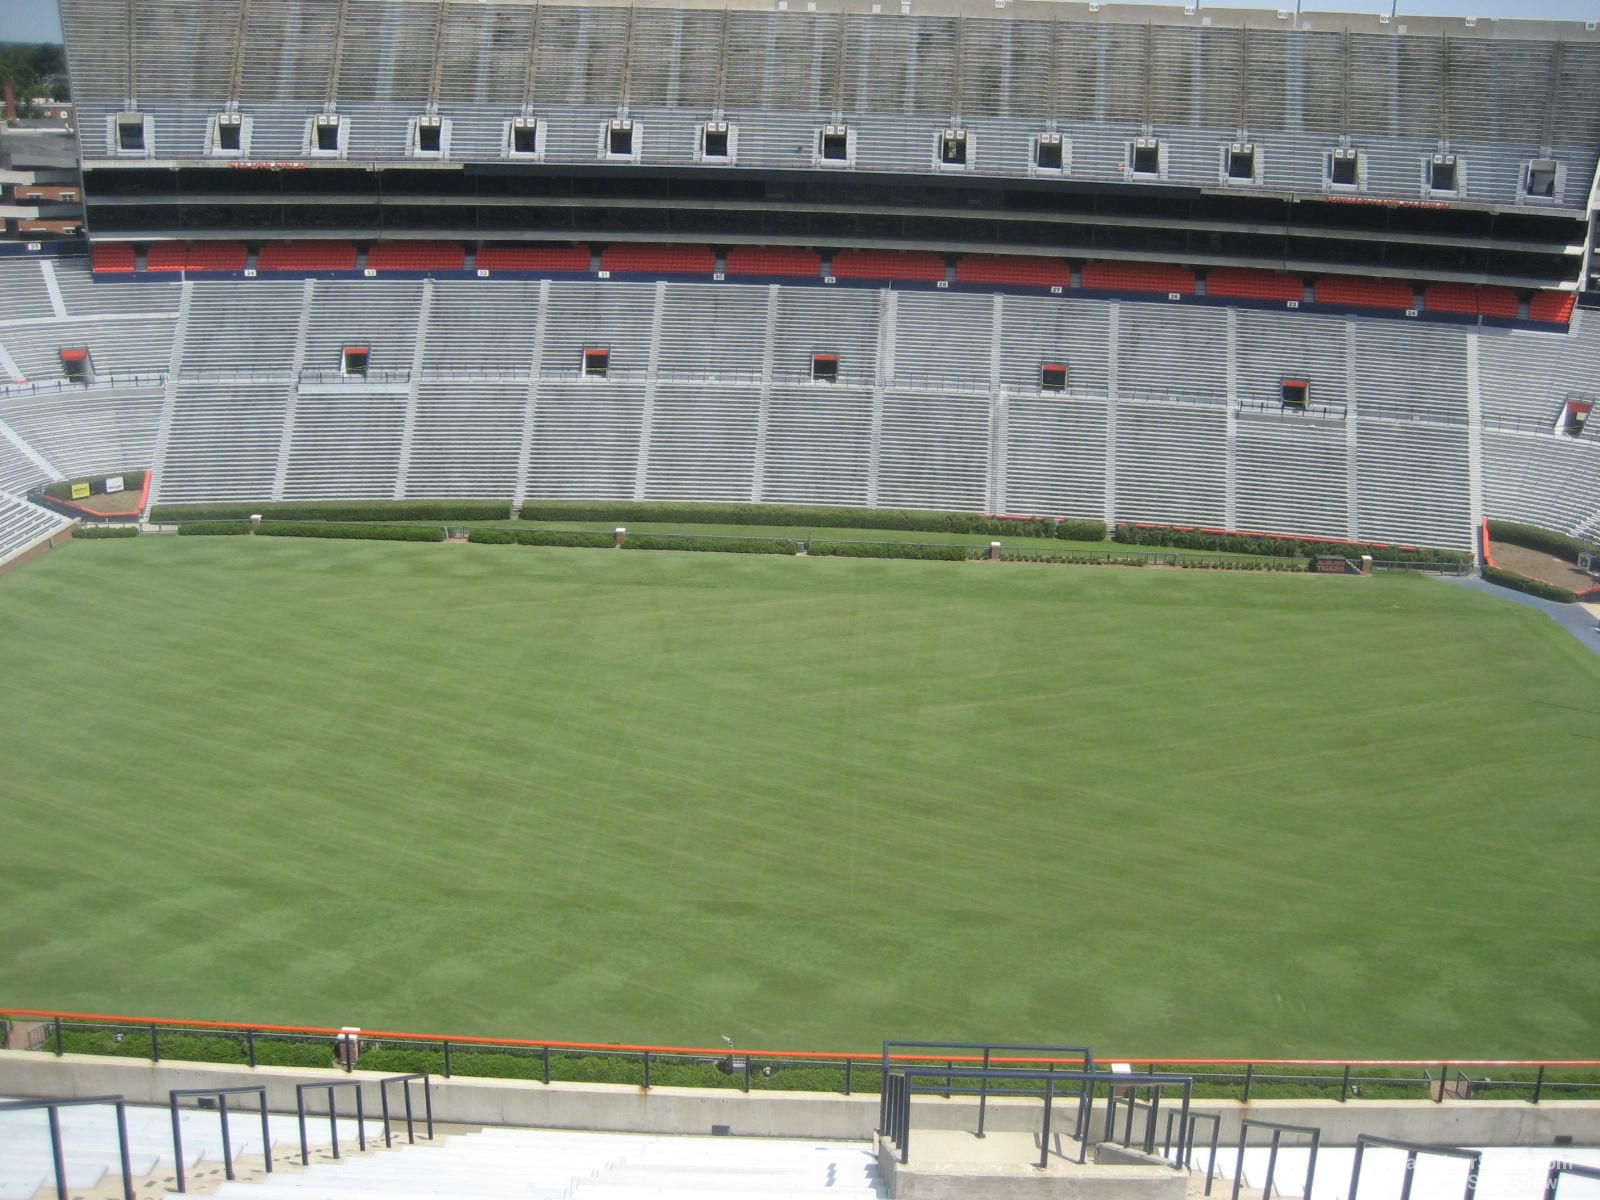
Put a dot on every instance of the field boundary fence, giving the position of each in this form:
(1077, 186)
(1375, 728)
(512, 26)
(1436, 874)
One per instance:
(539, 1060)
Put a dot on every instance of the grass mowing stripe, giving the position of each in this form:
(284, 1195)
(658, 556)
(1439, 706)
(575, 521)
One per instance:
(655, 797)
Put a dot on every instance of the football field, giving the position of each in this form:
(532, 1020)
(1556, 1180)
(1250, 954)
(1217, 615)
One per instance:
(809, 804)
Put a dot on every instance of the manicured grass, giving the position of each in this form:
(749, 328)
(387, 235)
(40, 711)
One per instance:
(805, 803)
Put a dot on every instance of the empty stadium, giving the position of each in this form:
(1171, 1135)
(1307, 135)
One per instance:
(1276, 278)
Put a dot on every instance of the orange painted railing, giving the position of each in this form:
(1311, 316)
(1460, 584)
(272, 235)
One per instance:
(124, 1020)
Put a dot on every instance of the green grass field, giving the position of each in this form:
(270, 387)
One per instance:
(806, 803)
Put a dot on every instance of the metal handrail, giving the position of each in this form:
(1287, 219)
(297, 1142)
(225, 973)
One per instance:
(1413, 1149)
(1278, 1130)
(57, 1155)
(405, 1082)
(333, 1115)
(221, 1094)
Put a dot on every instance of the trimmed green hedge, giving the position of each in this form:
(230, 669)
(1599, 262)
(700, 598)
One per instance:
(192, 1047)
(893, 550)
(721, 545)
(339, 510)
(376, 533)
(213, 528)
(1534, 587)
(580, 538)
(1181, 538)
(1108, 558)
(94, 533)
(1531, 537)
(132, 481)
(623, 511)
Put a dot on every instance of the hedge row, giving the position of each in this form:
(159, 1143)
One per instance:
(132, 481)
(96, 532)
(1112, 559)
(723, 545)
(1531, 537)
(541, 537)
(187, 1047)
(339, 510)
(377, 533)
(1534, 587)
(623, 511)
(1181, 538)
(213, 528)
(892, 550)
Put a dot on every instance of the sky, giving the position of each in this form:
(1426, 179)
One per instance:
(38, 20)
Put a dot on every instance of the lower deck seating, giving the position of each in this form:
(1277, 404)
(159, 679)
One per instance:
(307, 256)
(534, 258)
(1354, 291)
(23, 524)
(1138, 277)
(911, 266)
(1013, 269)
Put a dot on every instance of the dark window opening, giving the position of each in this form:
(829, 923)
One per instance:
(429, 137)
(1241, 162)
(620, 141)
(75, 364)
(824, 368)
(714, 143)
(1053, 377)
(1577, 413)
(835, 144)
(1542, 177)
(596, 363)
(1147, 157)
(354, 359)
(227, 132)
(1048, 154)
(525, 139)
(1342, 170)
(1296, 394)
(1442, 173)
(953, 148)
(328, 135)
(130, 133)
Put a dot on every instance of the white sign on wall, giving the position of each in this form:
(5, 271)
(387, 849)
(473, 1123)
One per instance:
(113, 484)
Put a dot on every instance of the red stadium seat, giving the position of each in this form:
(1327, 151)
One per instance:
(196, 256)
(788, 261)
(1551, 306)
(1138, 277)
(653, 259)
(417, 256)
(911, 266)
(111, 258)
(1497, 302)
(166, 256)
(1013, 269)
(1357, 292)
(307, 256)
(1240, 283)
(534, 258)
(1451, 298)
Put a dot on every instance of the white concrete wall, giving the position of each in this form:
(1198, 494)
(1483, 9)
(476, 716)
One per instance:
(617, 1107)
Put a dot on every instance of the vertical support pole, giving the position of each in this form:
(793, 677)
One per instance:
(1355, 1168)
(1472, 1178)
(266, 1131)
(60, 1049)
(747, 1072)
(177, 1143)
(1150, 1124)
(361, 1120)
(849, 1063)
(647, 1069)
(447, 1062)
(983, 1093)
(1444, 1077)
(545, 1052)
(411, 1128)
(250, 1046)
(383, 1101)
(427, 1104)
(1410, 1175)
(1249, 1070)
(56, 1156)
(122, 1150)
(1272, 1163)
(333, 1122)
(1044, 1135)
(227, 1140)
(155, 1044)
(1538, 1084)
(1344, 1086)
(300, 1112)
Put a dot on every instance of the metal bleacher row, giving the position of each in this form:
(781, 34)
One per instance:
(1497, 97)
(864, 266)
(235, 389)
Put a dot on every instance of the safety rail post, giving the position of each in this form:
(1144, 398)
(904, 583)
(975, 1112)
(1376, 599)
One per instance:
(747, 1072)
(60, 1047)
(545, 1053)
(1278, 1130)
(1558, 1169)
(447, 1059)
(983, 1094)
(58, 1158)
(405, 1082)
(1344, 1085)
(1444, 1079)
(333, 1115)
(1044, 1132)
(1186, 1143)
(1538, 1084)
(155, 1044)
(221, 1095)
(647, 1069)
(1413, 1150)
(250, 1045)
(848, 1064)
(1249, 1070)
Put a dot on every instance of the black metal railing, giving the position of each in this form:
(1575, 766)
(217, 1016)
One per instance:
(220, 1095)
(405, 1082)
(1278, 1130)
(57, 1153)
(1186, 1139)
(333, 1115)
(980, 1054)
(1413, 1150)
(1557, 1169)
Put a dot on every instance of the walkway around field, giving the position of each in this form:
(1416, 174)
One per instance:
(1582, 621)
